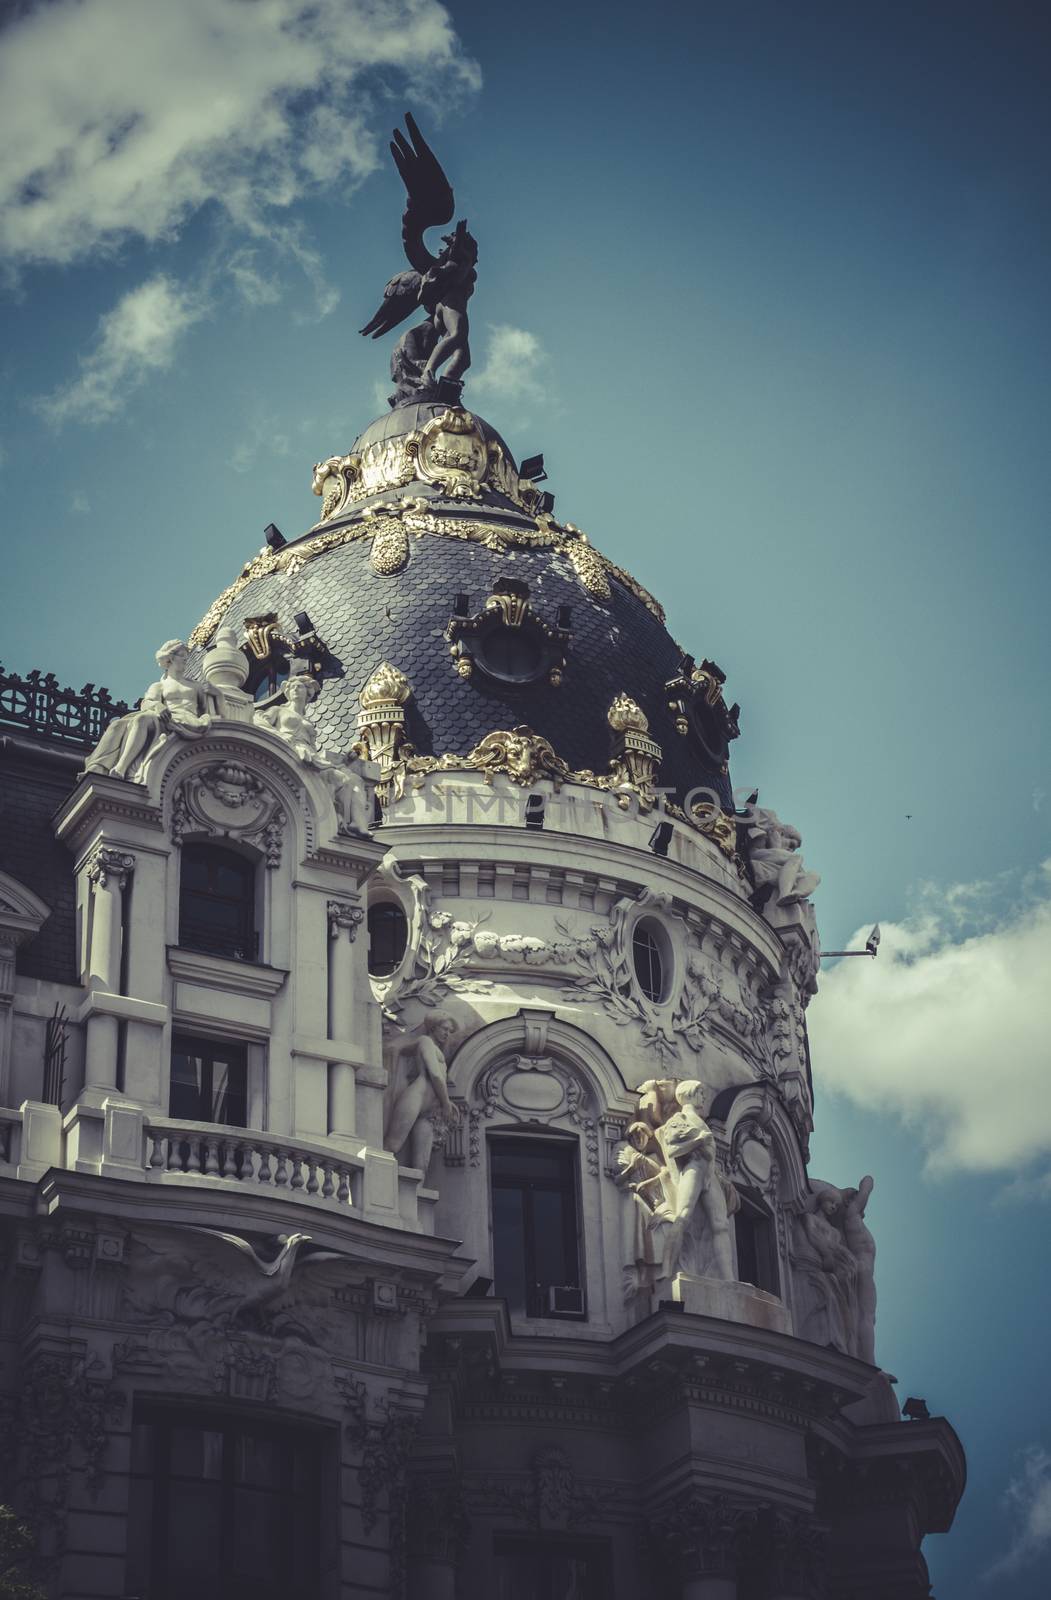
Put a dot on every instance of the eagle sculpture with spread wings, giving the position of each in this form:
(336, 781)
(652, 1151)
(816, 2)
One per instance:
(441, 285)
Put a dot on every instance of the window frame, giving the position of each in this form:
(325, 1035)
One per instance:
(250, 935)
(387, 905)
(763, 1224)
(535, 1307)
(205, 1048)
(514, 1546)
(310, 1541)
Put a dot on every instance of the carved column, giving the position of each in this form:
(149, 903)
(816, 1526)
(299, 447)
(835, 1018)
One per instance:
(344, 920)
(702, 1542)
(437, 1529)
(794, 1547)
(107, 874)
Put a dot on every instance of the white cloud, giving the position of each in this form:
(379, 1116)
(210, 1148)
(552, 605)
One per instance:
(80, 503)
(513, 366)
(1028, 1498)
(949, 1027)
(124, 117)
(137, 338)
(262, 435)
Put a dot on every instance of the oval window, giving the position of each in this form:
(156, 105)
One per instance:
(388, 937)
(510, 654)
(647, 948)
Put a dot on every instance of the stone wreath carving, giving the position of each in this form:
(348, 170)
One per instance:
(229, 800)
(609, 978)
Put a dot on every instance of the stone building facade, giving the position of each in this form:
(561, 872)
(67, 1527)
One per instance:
(405, 1099)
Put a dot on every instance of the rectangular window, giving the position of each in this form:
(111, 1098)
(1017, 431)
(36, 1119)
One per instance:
(552, 1569)
(209, 1081)
(756, 1245)
(536, 1248)
(223, 1507)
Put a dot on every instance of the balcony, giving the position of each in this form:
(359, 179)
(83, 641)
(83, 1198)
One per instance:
(177, 1151)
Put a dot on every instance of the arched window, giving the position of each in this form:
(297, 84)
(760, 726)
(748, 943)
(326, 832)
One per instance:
(756, 1241)
(217, 902)
(388, 937)
(648, 955)
(536, 1226)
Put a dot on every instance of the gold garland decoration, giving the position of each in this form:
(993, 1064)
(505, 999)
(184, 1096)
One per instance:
(388, 524)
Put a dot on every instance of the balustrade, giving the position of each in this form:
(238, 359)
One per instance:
(301, 1171)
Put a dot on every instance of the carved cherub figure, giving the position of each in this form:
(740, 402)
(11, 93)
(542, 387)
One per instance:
(173, 705)
(417, 1089)
(347, 777)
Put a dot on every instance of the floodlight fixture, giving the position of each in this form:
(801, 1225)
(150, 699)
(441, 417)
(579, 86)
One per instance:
(274, 537)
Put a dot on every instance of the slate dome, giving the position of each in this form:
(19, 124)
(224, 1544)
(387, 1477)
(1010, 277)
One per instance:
(435, 555)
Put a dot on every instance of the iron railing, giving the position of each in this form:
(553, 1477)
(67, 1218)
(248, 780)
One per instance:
(38, 705)
(240, 946)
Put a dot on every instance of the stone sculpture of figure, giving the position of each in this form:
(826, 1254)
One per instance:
(822, 1229)
(172, 705)
(441, 284)
(347, 778)
(417, 1089)
(862, 1247)
(779, 872)
(692, 1176)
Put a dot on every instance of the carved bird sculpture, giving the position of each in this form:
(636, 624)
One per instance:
(274, 1276)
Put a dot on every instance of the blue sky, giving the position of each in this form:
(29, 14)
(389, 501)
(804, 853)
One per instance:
(768, 285)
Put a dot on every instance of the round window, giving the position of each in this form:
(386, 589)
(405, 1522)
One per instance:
(647, 949)
(510, 654)
(388, 937)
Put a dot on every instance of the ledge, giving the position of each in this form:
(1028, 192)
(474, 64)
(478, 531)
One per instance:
(216, 972)
(123, 1006)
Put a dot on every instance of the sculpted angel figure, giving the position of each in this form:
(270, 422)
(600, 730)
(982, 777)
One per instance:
(346, 777)
(777, 868)
(174, 704)
(441, 284)
(417, 1089)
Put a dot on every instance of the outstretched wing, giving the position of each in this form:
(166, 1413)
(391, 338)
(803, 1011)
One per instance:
(430, 196)
(400, 299)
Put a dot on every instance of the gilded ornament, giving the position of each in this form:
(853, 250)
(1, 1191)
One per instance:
(381, 720)
(513, 608)
(716, 825)
(625, 716)
(390, 546)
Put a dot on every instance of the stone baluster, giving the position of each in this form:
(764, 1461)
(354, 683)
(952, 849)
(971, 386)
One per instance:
(344, 920)
(107, 874)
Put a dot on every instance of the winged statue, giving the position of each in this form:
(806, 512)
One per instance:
(440, 285)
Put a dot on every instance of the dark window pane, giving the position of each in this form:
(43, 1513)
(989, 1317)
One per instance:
(649, 965)
(509, 1253)
(217, 902)
(551, 1225)
(195, 1520)
(203, 1529)
(534, 1207)
(209, 1081)
(510, 653)
(388, 937)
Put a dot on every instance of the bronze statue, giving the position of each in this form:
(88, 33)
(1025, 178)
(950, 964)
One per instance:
(441, 284)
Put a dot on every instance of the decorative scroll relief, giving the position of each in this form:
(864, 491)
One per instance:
(228, 800)
(533, 1089)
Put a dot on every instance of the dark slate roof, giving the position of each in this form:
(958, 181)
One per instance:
(365, 619)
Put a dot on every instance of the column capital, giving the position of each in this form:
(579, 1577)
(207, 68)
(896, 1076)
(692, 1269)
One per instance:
(702, 1536)
(109, 865)
(344, 915)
